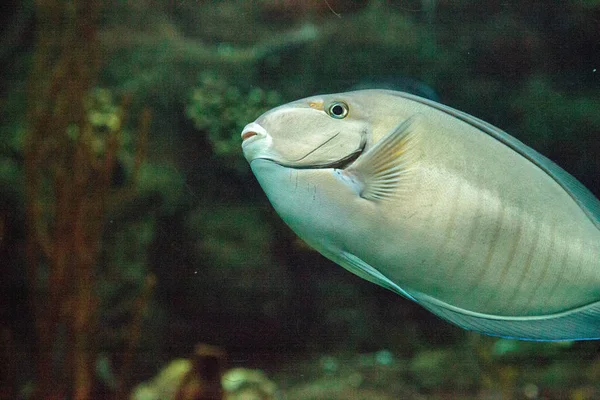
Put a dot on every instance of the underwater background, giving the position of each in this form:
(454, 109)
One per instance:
(141, 260)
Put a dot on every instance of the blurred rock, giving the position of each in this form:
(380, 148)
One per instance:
(198, 378)
(450, 369)
(248, 384)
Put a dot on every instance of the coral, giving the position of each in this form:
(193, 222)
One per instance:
(64, 206)
(222, 110)
(201, 377)
(248, 384)
(70, 156)
(196, 378)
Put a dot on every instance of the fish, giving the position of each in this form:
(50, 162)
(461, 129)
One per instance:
(437, 206)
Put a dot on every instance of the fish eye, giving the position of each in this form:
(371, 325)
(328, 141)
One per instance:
(338, 110)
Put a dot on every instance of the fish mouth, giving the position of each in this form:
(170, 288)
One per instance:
(252, 132)
(338, 164)
(248, 134)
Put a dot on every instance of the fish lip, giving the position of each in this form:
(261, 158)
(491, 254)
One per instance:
(251, 133)
(342, 163)
(247, 135)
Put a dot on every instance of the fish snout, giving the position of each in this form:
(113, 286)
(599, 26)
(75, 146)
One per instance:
(256, 141)
(252, 132)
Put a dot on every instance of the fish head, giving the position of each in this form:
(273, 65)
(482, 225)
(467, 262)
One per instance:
(315, 132)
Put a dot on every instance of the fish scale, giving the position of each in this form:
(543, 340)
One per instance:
(521, 224)
(504, 272)
(437, 206)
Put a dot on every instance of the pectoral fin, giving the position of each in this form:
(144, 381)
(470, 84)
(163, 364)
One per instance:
(377, 174)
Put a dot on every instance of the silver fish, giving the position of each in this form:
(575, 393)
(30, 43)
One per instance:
(438, 206)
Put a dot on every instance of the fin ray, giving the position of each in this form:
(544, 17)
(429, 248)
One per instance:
(376, 174)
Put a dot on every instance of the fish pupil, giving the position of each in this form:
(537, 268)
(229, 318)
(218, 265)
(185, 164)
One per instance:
(337, 110)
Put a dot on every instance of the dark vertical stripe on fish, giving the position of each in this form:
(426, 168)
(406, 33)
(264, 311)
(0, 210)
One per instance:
(525, 268)
(474, 227)
(577, 269)
(501, 214)
(450, 225)
(511, 254)
(545, 264)
(560, 275)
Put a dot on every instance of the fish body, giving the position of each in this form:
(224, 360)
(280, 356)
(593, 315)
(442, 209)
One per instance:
(437, 206)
